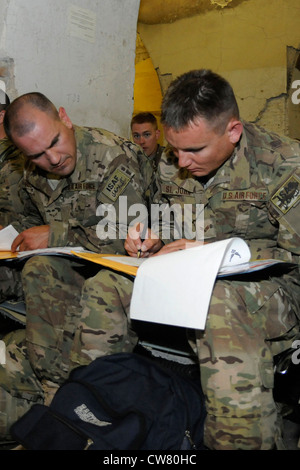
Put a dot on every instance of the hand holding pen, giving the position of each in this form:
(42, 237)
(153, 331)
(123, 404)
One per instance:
(141, 242)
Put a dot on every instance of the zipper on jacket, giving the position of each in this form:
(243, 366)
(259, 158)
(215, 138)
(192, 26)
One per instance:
(89, 443)
(188, 435)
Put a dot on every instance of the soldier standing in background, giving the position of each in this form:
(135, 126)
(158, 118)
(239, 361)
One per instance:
(145, 132)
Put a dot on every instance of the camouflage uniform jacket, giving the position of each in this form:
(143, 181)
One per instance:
(156, 157)
(11, 172)
(255, 195)
(150, 172)
(108, 167)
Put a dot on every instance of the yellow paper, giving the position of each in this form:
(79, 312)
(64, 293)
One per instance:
(125, 264)
(7, 255)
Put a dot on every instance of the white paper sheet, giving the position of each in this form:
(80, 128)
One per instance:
(127, 260)
(55, 250)
(176, 288)
(2, 352)
(7, 236)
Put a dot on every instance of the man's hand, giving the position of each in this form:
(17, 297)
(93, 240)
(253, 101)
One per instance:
(181, 244)
(32, 239)
(135, 246)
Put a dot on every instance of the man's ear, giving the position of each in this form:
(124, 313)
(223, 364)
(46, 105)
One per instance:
(2, 116)
(234, 129)
(157, 134)
(65, 118)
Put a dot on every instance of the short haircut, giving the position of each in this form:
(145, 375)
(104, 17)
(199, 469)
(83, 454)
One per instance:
(4, 100)
(199, 94)
(15, 122)
(141, 118)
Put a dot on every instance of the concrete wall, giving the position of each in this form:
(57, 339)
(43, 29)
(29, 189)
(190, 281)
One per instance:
(80, 54)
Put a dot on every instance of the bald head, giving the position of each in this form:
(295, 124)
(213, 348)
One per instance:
(18, 120)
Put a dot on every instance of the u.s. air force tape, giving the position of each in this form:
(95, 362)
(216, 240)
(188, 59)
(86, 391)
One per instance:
(83, 186)
(117, 183)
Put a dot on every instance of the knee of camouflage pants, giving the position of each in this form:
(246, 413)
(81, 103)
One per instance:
(19, 388)
(10, 282)
(104, 327)
(236, 361)
(53, 312)
(77, 317)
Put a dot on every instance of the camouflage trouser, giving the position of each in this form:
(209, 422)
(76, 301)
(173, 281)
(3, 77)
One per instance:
(236, 361)
(19, 387)
(71, 320)
(10, 280)
(73, 314)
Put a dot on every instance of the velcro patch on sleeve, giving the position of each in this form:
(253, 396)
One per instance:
(117, 183)
(288, 195)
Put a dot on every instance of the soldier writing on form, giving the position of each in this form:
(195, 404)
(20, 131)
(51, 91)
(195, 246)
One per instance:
(248, 181)
(75, 178)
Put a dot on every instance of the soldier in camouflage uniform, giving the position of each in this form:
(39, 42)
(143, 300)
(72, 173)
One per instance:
(11, 171)
(145, 132)
(75, 185)
(247, 181)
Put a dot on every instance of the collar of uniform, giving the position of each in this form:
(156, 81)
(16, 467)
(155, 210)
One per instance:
(83, 137)
(238, 165)
(7, 150)
(37, 179)
(235, 172)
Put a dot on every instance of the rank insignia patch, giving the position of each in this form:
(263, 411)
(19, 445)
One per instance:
(287, 195)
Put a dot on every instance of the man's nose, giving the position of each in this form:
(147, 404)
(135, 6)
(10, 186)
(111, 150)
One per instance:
(141, 139)
(183, 158)
(53, 157)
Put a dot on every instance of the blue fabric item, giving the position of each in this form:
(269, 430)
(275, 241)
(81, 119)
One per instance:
(118, 402)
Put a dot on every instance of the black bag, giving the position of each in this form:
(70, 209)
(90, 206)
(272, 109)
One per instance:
(118, 402)
(287, 380)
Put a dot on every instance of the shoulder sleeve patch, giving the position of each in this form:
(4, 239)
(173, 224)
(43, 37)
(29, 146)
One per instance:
(117, 183)
(288, 195)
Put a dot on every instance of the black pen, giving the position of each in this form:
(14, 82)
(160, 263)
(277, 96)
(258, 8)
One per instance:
(143, 234)
(139, 252)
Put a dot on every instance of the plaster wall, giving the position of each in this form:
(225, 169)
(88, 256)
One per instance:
(81, 54)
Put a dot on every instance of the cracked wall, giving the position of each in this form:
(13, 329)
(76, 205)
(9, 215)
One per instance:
(168, 11)
(293, 86)
(246, 44)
